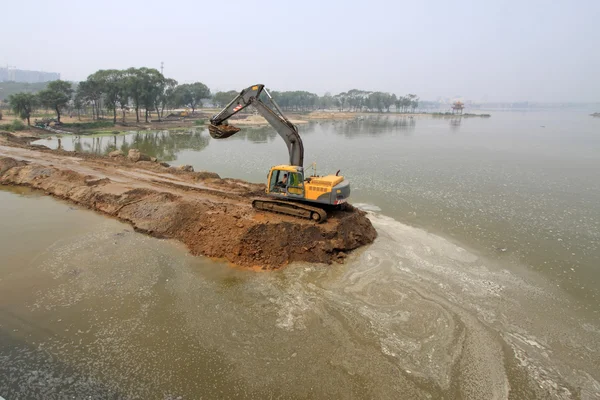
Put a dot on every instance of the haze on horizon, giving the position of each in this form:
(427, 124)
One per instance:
(481, 51)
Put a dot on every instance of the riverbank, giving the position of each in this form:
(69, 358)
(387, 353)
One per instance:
(212, 216)
(85, 126)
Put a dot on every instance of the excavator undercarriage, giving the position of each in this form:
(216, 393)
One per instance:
(296, 209)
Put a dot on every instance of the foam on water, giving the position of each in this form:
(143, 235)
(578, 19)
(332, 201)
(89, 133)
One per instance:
(461, 297)
(413, 315)
(366, 207)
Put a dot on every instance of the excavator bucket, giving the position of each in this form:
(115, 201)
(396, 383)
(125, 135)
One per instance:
(222, 131)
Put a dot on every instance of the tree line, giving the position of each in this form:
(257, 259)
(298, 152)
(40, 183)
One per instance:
(351, 101)
(139, 89)
(142, 90)
(146, 91)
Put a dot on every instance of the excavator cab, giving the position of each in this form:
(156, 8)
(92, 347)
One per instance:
(293, 186)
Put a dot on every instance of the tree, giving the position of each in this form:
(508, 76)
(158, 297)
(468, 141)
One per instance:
(405, 102)
(122, 95)
(414, 101)
(297, 100)
(167, 97)
(90, 92)
(358, 99)
(112, 87)
(23, 105)
(380, 101)
(134, 84)
(153, 87)
(373, 101)
(326, 101)
(145, 87)
(78, 103)
(56, 96)
(191, 95)
(221, 99)
(341, 100)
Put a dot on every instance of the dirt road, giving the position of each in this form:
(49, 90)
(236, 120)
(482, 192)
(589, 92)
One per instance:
(212, 216)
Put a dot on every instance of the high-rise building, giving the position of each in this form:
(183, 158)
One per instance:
(20, 75)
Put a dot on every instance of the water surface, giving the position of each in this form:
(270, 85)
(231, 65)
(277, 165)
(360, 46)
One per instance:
(520, 186)
(482, 283)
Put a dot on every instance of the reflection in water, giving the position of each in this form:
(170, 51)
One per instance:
(372, 126)
(163, 145)
(455, 123)
(261, 134)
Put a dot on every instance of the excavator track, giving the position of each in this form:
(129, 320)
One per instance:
(291, 208)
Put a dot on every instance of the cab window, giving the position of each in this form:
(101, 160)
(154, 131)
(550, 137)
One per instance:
(295, 183)
(276, 176)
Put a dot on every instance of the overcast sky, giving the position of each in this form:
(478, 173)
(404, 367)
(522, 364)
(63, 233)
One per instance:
(486, 50)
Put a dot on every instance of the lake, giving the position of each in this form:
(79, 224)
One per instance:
(484, 280)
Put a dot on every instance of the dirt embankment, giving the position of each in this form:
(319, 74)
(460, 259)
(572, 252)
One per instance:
(212, 216)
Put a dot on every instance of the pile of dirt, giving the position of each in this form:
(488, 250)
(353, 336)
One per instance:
(7, 138)
(212, 216)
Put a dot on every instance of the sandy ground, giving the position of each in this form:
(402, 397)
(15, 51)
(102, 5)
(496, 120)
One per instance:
(212, 216)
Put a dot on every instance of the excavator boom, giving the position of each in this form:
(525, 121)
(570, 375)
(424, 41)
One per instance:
(276, 118)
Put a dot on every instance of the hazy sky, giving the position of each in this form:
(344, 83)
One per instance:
(480, 50)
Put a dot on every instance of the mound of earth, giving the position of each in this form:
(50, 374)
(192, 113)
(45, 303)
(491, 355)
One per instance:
(212, 216)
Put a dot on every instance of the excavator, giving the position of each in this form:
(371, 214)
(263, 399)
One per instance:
(288, 190)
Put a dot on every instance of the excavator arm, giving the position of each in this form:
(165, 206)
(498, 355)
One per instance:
(276, 118)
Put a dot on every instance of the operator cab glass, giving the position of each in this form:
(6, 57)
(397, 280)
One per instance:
(294, 187)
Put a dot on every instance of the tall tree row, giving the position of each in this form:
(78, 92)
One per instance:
(354, 100)
(146, 91)
(142, 89)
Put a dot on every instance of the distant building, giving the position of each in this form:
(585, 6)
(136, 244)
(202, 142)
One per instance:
(457, 107)
(12, 74)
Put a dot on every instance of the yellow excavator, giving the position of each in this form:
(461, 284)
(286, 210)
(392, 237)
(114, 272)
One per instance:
(289, 191)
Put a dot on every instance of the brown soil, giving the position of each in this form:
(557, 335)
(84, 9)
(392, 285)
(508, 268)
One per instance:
(212, 216)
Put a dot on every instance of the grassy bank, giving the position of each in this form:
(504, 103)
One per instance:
(88, 125)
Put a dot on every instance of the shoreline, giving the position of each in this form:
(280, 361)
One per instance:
(202, 117)
(213, 217)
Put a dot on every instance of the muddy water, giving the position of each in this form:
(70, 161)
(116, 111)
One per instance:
(467, 293)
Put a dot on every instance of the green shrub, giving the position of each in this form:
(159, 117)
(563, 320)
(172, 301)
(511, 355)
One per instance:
(16, 125)
(199, 122)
